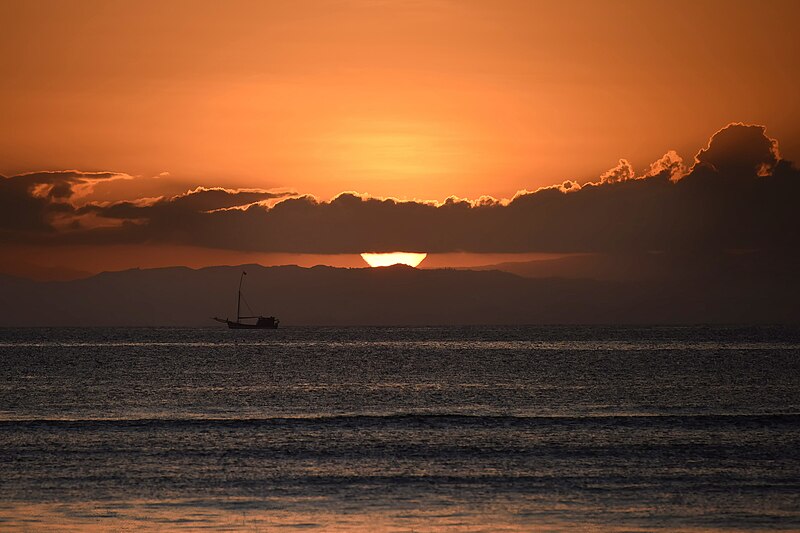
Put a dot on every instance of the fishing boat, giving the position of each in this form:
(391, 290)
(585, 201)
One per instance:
(261, 322)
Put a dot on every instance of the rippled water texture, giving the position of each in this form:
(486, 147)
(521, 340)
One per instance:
(401, 429)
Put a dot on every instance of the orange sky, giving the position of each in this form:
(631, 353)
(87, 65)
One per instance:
(417, 99)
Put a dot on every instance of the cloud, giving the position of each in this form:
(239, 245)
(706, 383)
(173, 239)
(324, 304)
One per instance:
(740, 150)
(65, 184)
(622, 172)
(31, 202)
(670, 163)
(199, 200)
(175, 219)
(738, 194)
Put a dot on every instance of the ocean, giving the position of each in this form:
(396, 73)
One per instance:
(401, 429)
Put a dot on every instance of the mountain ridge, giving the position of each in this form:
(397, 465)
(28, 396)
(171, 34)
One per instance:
(397, 295)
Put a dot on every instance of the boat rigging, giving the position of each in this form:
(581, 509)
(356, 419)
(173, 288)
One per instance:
(261, 322)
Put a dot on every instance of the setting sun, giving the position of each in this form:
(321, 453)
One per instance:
(411, 259)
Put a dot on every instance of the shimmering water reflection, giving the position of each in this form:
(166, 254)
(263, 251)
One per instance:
(401, 429)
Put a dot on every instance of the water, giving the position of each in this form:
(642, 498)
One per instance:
(401, 429)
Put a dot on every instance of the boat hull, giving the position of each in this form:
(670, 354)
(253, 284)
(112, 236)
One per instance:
(241, 325)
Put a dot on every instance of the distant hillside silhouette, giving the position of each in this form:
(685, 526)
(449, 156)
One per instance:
(25, 269)
(398, 295)
(665, 267)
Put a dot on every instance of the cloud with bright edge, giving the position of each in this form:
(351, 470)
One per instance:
(737, 194)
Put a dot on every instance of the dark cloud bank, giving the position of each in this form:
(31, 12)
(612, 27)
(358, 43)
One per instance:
(716, 242)
(738, 194)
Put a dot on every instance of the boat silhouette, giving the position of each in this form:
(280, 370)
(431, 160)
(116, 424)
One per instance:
(261, 322)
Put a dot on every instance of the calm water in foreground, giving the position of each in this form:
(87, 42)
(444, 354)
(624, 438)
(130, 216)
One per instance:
(401, 429)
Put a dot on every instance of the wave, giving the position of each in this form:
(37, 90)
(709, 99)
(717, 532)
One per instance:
(410, 418)
(481, 345)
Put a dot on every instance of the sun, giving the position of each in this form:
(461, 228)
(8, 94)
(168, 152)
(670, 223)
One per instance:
(411, 259)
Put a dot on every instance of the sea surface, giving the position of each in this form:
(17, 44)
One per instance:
(401, 429)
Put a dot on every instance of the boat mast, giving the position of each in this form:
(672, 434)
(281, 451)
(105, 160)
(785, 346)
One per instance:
(239, 296)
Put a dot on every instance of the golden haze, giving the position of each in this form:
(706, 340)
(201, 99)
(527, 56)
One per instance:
(406, 99)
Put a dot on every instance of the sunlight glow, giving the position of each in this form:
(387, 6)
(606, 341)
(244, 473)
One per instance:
(394, 258)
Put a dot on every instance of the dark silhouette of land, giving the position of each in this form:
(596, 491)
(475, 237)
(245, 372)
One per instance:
(721, 288)
(742, 267)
